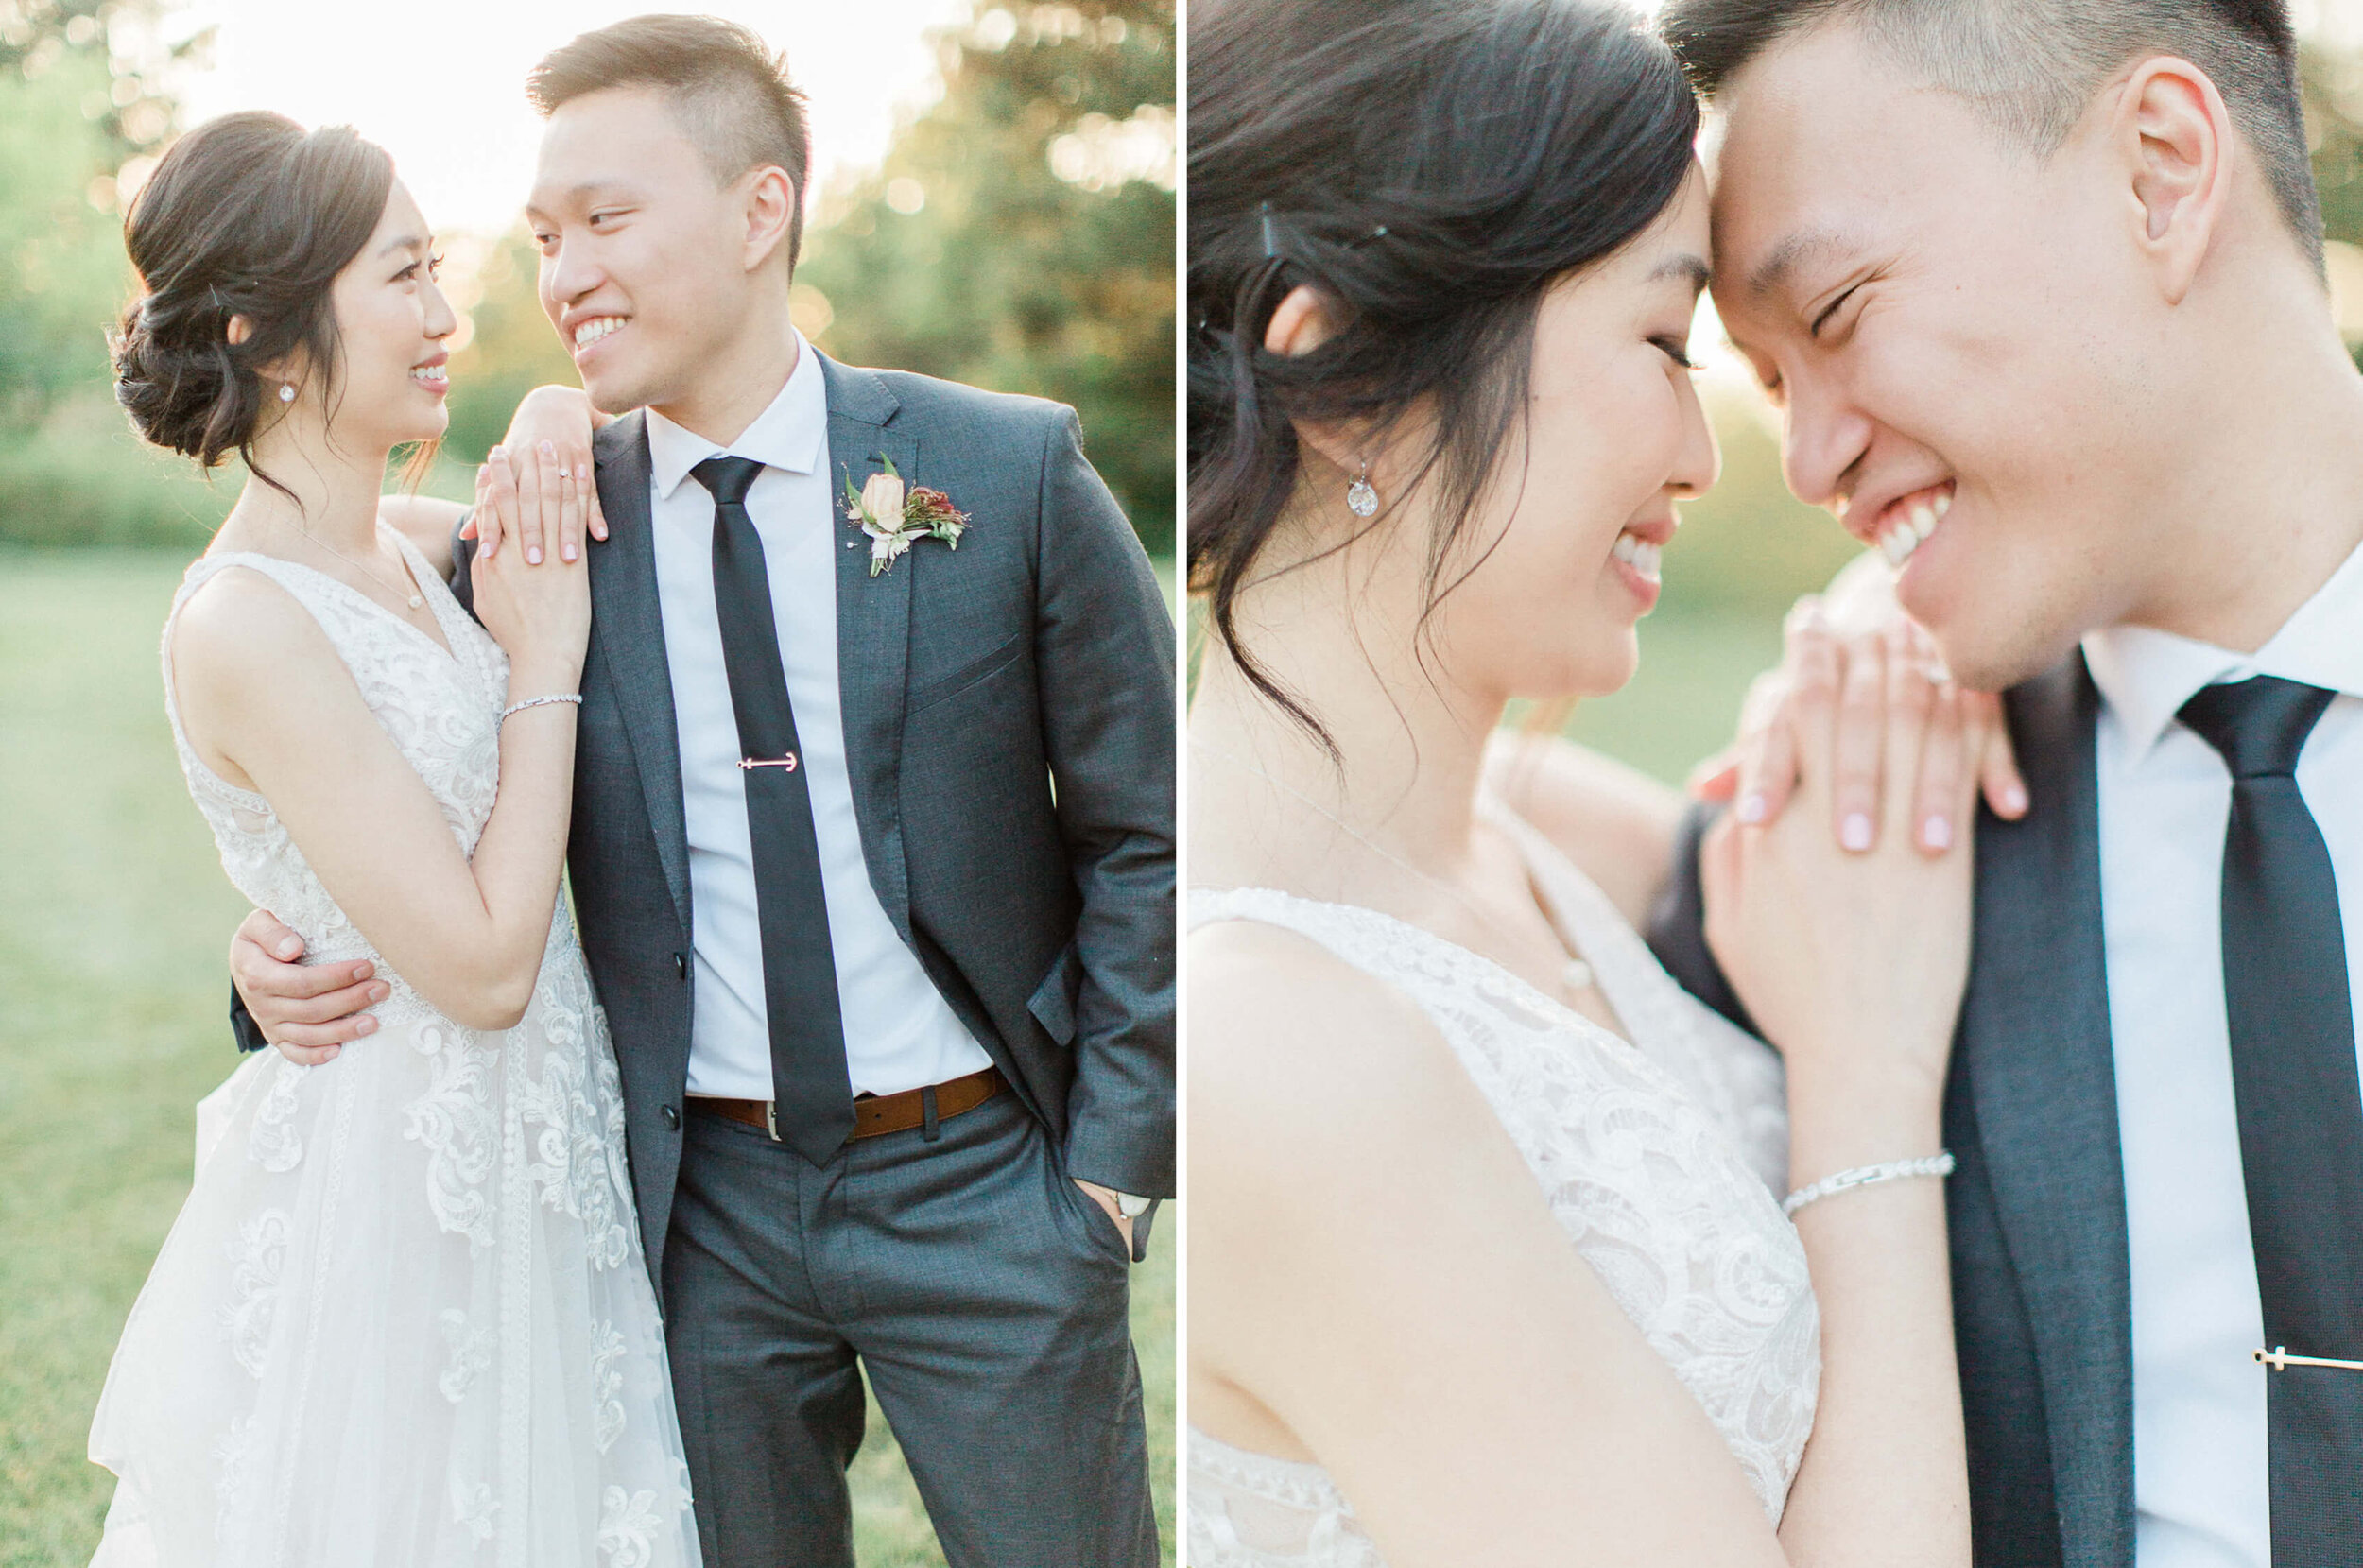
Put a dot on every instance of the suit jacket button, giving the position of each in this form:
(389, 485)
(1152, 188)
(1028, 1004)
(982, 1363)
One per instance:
(672, 1118)
(680, 964)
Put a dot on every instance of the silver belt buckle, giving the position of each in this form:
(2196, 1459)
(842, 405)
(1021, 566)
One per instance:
(771, 1119)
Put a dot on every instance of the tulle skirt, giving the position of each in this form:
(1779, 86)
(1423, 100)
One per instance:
(403, 1319)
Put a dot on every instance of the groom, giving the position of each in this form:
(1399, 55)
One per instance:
(2039, 286)
(873, 855)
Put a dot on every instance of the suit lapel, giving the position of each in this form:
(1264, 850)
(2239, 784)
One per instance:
(873, 627)
(2035, 1042)
(628, 632)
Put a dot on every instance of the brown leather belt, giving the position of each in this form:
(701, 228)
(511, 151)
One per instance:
(875, 1115)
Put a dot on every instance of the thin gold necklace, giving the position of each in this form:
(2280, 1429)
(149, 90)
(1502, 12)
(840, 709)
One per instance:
(1574, 973)
(416, 599)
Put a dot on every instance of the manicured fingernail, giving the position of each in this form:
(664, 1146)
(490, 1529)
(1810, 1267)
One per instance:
(549, 449)
(1854, 833)
(334, 1052)
(1750, 808)
(379, 993)
(290, 948)
(2014, 799)
(583, 470)
(367, 1025)
(1936, 834)
(569, 552)
(533, 555)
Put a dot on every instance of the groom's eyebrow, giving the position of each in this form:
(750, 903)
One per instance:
(581, 195)
(1776, 268)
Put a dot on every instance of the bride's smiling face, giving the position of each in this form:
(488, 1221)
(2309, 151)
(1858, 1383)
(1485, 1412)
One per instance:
(391, 322)
(1561, 554)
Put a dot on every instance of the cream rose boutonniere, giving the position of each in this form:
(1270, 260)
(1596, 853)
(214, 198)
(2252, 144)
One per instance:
(896, 516)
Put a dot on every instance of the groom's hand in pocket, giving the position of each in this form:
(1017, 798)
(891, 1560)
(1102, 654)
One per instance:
(1106, 1198)
(307, 1011)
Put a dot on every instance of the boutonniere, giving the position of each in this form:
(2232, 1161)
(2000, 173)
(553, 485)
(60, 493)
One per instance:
(896, 517)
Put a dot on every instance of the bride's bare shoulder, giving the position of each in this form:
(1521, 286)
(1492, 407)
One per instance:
(1614, 821)
(1298, 1061)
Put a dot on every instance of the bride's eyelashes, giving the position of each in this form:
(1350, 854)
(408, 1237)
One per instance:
(1677, 350)
(434, 265)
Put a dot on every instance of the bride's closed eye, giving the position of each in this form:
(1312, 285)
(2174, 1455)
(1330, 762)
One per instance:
(1677, 350)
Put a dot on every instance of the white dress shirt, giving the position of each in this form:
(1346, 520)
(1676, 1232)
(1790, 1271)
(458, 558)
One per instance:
(899, 1033)
(2200, 1442)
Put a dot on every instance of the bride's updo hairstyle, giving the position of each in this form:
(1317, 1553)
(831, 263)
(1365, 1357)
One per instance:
(1430, 168)
(249, 215)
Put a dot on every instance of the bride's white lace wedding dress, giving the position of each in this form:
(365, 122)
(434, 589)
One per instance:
(402, 1321)
(1659, 1156)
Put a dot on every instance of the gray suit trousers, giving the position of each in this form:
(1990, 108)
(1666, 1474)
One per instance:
(984, 1293)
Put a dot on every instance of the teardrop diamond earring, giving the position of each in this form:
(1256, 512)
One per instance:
(1361, 499)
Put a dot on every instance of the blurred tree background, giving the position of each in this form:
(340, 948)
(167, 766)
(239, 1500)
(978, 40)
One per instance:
(1019, 235)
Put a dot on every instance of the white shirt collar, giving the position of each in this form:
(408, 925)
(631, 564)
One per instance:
(2147, 675)
(792, 433)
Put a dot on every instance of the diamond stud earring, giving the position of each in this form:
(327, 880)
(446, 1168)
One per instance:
(1361, 499)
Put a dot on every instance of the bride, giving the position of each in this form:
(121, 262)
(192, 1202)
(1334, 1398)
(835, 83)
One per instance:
(403, 1319)
(1489, 1262)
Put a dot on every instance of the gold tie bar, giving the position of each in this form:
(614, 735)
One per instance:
(747, 764)
(2280, 1360)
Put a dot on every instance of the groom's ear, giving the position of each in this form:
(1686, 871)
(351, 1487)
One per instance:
(770, 202)
(2173, 142)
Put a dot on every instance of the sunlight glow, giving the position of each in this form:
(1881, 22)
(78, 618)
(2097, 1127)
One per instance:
(440, 83)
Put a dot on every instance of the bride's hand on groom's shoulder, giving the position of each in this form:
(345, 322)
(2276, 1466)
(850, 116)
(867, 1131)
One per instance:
(1756, 775)
(520, 499)
(541, 617)
(1853, 958)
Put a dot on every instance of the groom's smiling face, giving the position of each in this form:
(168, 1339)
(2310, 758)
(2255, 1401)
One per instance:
(645, 256)
(1966, 358)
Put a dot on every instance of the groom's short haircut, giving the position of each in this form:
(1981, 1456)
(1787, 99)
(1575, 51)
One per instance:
(728, 90)
(2032, 66)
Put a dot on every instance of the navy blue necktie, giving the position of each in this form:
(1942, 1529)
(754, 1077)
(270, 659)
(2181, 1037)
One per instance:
(2301, 1110)
(812, 1094)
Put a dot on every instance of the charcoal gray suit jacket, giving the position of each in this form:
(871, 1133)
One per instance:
(2042, 1293)
(1010, 720)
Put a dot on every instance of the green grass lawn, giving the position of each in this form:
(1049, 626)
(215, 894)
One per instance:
(113, 921)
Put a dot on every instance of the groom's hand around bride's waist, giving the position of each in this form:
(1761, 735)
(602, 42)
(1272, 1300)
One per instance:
(307, 1011)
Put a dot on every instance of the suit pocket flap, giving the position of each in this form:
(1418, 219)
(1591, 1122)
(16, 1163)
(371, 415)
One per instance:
(1053, 1002)
(987, 664)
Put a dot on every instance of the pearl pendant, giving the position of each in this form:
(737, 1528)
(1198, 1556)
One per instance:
(1576, 975)
(1361, 499)
(418, 601)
